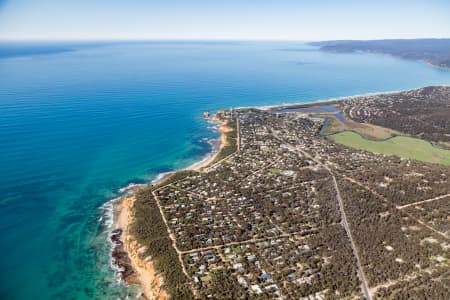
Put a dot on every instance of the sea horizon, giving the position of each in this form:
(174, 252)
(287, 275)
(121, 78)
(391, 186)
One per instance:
(78, 125)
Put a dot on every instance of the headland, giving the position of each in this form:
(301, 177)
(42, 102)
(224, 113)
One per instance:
(433, 52)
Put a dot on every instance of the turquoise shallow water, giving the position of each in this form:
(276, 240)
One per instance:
(77, 122)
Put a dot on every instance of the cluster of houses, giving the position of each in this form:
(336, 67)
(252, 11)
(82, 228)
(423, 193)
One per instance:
(274, 268)
(264, 214)
(254, 212)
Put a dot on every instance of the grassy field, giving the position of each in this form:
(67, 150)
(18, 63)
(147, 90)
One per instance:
(369, 131)
(401, 146)
(274, 170)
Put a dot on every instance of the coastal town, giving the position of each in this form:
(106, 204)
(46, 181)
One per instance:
(283, 212)
(225, 150)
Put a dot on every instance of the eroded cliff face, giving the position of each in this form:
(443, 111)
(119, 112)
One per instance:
(120, 257)
(127, 254)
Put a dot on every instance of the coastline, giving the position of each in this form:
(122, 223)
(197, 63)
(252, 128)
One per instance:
(426, 61)
(217, 145)
(208, 159)
(332, 100)
(144, 275)
(444, 68)
(131, 268)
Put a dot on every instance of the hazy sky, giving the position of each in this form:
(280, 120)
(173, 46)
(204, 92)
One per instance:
(226, 19)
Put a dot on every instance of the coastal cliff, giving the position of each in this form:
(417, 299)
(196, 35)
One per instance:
(145, 248)
(129, 255)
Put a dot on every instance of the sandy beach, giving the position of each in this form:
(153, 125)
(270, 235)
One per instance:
(144, 275)
(328, 100)
(217, 146)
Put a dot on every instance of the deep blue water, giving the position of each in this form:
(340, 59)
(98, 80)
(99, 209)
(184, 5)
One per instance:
(77, 122)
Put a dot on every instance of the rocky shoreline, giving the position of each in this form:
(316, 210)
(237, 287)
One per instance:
(120, 257)
(126, 253)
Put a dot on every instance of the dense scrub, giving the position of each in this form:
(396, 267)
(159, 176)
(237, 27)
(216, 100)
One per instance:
(397, 244)
(423, 113)
(426, 286)
(150, 231)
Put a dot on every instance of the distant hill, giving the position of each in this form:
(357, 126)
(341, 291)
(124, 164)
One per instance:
(433, 51)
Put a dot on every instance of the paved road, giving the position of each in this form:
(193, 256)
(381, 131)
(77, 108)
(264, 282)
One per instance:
(171, 235)
(362, 277)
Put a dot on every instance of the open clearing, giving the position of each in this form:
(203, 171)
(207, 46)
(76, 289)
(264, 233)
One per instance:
(368, 131)
(405, 147)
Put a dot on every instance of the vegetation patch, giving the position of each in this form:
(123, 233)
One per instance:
(405, 147)
(149, 230)
(368, 131)
(422, 113)
(274, 170)
(231, 142)
(174, 177)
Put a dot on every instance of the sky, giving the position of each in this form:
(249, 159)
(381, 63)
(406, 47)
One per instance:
(222, 20)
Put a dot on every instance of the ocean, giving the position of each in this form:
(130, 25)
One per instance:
(79, 121)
